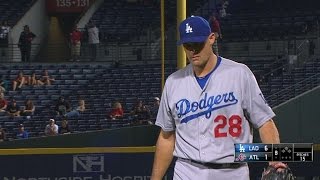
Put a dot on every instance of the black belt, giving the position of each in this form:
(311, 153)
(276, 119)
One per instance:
(214, 165)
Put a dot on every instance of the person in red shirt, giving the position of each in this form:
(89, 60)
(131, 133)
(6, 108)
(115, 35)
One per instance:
(215, 28)
(3, 103)
(117, 111)
(75, 38)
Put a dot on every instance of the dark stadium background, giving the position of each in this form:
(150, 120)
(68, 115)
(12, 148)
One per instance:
(278, 39)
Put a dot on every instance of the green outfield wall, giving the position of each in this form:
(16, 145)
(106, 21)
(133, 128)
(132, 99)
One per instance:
(298, 119)
(122, 137)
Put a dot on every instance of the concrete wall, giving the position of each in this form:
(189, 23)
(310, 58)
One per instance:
(87, 16)
(38, 21)
(298, 119)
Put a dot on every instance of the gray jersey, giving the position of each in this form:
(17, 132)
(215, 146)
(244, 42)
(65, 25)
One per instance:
(208, 121)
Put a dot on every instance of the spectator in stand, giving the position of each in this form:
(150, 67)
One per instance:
(3, 103)
(13, 109)
(154, 109)
(215, 28)
(117, 111)
(76, 112)
(225, 4)
(85, 36)
(22, 133)
(64, 129)
(4, 32)
(3, 84)
(51, 128)
(140, 112)
(222, 12)
(33, 80)
(24, 44)
(46, 79)
(20, 81)
(29, 108)
(75, 38)
(62, 107)
(93, 39)
(3, 136)
(223, 9)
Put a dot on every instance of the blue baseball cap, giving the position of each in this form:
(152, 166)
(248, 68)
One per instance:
(194, 29)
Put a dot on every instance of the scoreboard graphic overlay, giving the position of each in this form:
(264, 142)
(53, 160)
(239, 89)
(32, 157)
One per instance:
(300, 152)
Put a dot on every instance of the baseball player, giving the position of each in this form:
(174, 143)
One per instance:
(205, 109)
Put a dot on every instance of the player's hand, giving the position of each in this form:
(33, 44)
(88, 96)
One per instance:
(277, 170)
(278, 165)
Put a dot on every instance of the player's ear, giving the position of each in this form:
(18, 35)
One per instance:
(212, 38)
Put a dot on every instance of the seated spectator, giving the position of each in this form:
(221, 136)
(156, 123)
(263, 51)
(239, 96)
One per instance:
(20, 81)
(140, 112)
(76, 112)
(33, 80)
(154, 109)
(51, 128)
(45, 79)
(3, 103)
(22, 134)
(29, 108)
(3, 136)
(117, 111)
(13, 109)
(3, 84)
(62, 107)
(64, 129)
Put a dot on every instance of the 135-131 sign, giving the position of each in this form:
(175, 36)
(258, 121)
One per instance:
(74, 3)
(65, 6)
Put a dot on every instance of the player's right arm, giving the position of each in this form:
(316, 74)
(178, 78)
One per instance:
(163, 155)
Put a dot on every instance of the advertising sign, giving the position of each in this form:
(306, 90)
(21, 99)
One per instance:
(107, 166)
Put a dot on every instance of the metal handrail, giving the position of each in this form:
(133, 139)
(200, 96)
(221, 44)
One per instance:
(307, 79)
(311, 81)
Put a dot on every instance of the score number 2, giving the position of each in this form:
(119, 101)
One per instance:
(233, 123)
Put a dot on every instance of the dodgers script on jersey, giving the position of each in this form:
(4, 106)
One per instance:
(208, 121)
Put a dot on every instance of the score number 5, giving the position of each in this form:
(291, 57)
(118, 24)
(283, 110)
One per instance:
(233, 123)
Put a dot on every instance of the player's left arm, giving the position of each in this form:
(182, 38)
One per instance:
(259, 111)
(269, 133)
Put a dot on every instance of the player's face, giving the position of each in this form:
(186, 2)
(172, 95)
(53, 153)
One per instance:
(199, 53)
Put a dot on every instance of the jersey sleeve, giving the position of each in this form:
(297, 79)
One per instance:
(164, 117)
(254, 102)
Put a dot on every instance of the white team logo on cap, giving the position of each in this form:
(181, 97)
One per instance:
(188, 28)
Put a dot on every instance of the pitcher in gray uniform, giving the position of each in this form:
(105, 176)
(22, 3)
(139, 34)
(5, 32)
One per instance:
(205, 109)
